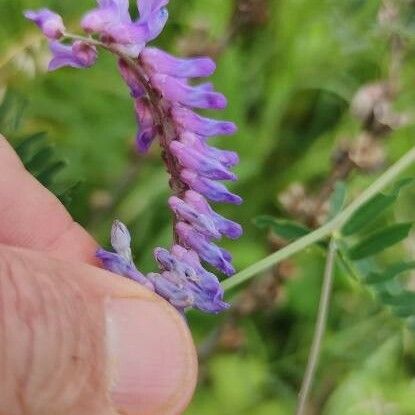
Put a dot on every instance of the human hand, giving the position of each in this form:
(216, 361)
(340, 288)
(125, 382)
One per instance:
(75, 339)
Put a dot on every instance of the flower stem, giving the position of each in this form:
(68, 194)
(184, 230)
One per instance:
(326, 230)
(321, 323)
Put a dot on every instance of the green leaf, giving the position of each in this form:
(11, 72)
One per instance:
(337, 199)
(404, 311)
(25, 148)
(379, 241)
(373, 209)
(391, 272)
(67, 193)
(407, 298)
(284, 228)
(47, 175)
(11, 112)
(40, 160)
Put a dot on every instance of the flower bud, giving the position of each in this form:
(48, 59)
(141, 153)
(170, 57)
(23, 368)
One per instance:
(49, 22)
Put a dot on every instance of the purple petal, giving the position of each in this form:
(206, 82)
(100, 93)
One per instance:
(130, 79)
(145, 139)
(207, 281)
(97, 20)
(166, 261)
(148, 129)
(176, 91)
(207, 250)
(193, 122)
(109, 13)
(175, 294)
(146, 7)
(85, 53)
(202, 223)
(209, 188)
(169, 262)
(200, 163)
(209, 306)
(164, 63)
(155, 23)
(79, 55)
(49, 22)
(227, 158)
(225, 226)
(118, 265)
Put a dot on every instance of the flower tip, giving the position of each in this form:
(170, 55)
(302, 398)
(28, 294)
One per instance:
(234, 199)
(120, 237)
(228, 269)
(209, 66)
(236, 232)
(230, 128)
(144, 140)
(217, 101)
(49, 22)
(91, 22)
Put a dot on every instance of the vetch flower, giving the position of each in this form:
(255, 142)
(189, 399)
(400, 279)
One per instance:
(112, 20)
(148, 129)
(165, 98)
(78, 55)
(177, 91)
(163, 63)
(49, 22)
(121, 240)
(182, 280)
(119, 265)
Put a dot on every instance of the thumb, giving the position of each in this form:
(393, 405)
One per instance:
(76, 340)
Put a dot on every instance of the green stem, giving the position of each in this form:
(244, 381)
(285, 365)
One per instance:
(323, 311)
(326, 230)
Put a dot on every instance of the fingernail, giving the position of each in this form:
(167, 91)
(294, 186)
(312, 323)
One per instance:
(151, 357)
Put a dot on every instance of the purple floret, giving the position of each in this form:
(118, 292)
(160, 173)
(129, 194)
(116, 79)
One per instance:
(77, 55)
(49, 22)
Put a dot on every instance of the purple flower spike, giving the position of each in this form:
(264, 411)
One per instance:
(214, 191)
(49, 22)
(166, 260)
(176, 91)
(164, 63)
(79, 55)
(164, 97)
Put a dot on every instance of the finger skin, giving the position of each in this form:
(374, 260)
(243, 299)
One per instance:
(32, 217)
(56, 348)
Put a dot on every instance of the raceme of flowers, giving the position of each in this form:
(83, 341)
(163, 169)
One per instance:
(164, 99)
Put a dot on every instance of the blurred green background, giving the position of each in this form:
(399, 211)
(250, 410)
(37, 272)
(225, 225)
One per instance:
(292, 70)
